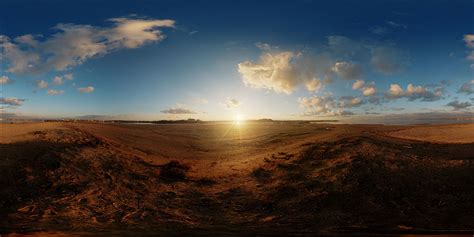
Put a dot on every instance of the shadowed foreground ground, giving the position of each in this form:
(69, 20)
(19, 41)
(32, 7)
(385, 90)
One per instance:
(266, 178)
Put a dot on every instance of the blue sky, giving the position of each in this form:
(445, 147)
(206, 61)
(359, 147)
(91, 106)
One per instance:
(217, 59)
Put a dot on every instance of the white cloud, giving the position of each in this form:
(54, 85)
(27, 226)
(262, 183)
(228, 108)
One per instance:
(358, 84)
(395, 91)
(68, 76)
(57, 80)
(273, 72)
(366, 89)
(11, 101)
(55, 92)
(414, 92)
(5, 80)
(73, 44)
(369, 90)
(349, 102)
(41, 84)
(313, 85)
(88, 89)
(231, 103)
(284, 71)
(328, 105)
(347, 70)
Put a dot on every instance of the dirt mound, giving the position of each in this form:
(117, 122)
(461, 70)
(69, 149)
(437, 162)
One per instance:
(364, 183)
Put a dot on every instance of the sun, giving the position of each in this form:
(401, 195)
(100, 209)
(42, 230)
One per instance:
(238, 119)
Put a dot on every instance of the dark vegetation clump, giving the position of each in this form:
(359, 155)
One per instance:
(205, 182)
(174, 171)
(262, 174)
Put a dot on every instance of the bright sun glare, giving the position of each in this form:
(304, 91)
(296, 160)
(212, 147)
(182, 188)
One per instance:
(238, 119)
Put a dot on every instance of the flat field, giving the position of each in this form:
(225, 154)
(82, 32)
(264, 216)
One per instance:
(224, 178)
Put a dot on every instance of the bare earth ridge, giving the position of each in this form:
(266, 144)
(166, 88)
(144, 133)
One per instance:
(267, 177)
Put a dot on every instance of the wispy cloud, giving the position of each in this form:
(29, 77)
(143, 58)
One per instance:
(348, 70)
(88, 89)
(179, 109)
(55, 92)
(388, 60)
(467, 87)
(231, 103)
(74, 44)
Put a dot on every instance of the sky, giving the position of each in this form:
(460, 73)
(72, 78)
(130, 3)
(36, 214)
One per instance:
(216, 60)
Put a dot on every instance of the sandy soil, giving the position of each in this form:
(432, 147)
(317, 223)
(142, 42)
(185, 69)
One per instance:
(220, 178)
(458, 133)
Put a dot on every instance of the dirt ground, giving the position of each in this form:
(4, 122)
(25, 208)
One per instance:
(227, 179)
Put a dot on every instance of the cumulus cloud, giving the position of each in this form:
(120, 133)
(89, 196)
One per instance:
(231, 103)
(347, 70)
(459, 105)
(366, 89)
(11, 101)
(41, 84)
(313, 85)
(73, 44)
(358, 84)
(284, 71)
(55, 92)
(57, 80)
(467, 88)
(387, 60)
(88, 89)
(414, 92)
(274, 71)
(328, 105)
(5, 80)
(349, 102)
(369, 90)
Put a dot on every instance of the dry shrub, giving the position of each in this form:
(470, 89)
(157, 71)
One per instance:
(174, 171)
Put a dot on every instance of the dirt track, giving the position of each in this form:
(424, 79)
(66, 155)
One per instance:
(255, 178)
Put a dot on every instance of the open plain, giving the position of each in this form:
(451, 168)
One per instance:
(227, 178)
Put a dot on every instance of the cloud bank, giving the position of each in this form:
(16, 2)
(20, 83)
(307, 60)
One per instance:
(11, 101)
